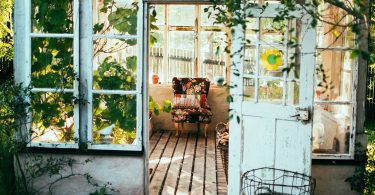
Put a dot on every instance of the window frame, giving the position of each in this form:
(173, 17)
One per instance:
(83, 70)
(165, 30)
(29, 35)
(350, 155)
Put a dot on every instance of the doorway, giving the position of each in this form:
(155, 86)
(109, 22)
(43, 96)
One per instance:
(184, 43)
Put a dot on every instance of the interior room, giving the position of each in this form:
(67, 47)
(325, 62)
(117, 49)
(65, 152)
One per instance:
(188, 68)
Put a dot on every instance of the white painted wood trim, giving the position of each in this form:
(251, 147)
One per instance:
(115, 92)
(46, 90)
(76, 54)
(56, 35)
(236, 129)
(111, 36)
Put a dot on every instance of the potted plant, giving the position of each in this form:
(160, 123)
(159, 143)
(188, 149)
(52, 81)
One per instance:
(155, 108)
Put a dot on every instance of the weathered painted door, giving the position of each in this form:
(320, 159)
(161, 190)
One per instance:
(271, 124)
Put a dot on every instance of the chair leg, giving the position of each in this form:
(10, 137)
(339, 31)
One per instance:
(198, 127)
(177, 127)
(205, 129)
(182, 127)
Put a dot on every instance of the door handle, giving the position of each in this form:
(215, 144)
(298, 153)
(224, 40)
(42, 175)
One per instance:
(302, 114)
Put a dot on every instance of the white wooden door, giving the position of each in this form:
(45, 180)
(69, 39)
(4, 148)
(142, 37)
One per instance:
(271, 124)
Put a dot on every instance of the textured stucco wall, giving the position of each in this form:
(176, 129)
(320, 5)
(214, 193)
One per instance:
(216, 100)
(124, 172)
(330, 179)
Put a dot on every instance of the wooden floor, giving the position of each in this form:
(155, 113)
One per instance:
(185, 164)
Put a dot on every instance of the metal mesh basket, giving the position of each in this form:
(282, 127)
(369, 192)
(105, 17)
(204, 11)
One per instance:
(271, 181)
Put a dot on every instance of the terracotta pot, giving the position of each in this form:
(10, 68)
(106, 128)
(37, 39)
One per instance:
(155, 79)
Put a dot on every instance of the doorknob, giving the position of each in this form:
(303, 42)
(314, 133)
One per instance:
(302, 114)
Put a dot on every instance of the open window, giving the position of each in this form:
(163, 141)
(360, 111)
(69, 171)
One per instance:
(104, 58)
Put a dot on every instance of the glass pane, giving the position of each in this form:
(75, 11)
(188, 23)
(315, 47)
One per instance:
(334, 76)
(156, 54)
(271, 62)
(181, 15)
(249, 89)
(292, 94)
(212, 56)
(335, 35)
(115, 17)
(54, 16)
(52, 63)
(208, 19)
(114, 119)
(157, 14)
(251, 30)
(115, 64)
(270, 91)
(331, 128)
(52, 117)
(181, 54)
(272, 31)
(249, 62)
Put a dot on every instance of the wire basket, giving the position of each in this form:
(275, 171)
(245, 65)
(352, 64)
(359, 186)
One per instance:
(271, 181)
(222, 145)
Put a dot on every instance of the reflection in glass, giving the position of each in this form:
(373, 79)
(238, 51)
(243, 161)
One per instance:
(115, 64)
(53, 16)
(249, 61)
(181, 56)
(270, 91)
(331, 128)
(251, 31)
(114, 119)
(212, 55)
(181, 15)
(272, 31)
(292, 93)
(334, 76)
(52, 63)
(335, 35)
(115, 17)
(249, 89)
(52, 117)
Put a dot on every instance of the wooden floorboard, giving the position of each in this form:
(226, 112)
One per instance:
(155, 157)
(210, 179)
(156, 183)
(174, 169)
(199, 166)
(184, 182)
(186, 164)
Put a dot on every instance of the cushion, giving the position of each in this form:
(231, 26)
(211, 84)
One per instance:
(186, 101)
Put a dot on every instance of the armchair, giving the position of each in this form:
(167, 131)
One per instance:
(190, 102)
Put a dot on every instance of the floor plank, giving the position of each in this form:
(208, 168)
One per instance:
(199, 166)
(155, 138)
(156, 184)
(210, 179)
(174, 169)
(155, 157)
(184, 182)
(187, 164)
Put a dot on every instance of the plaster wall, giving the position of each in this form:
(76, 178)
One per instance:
(125, 173)
(330, 179)
(217, 100)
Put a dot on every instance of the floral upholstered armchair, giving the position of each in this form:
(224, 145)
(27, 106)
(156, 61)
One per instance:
(190, 102)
